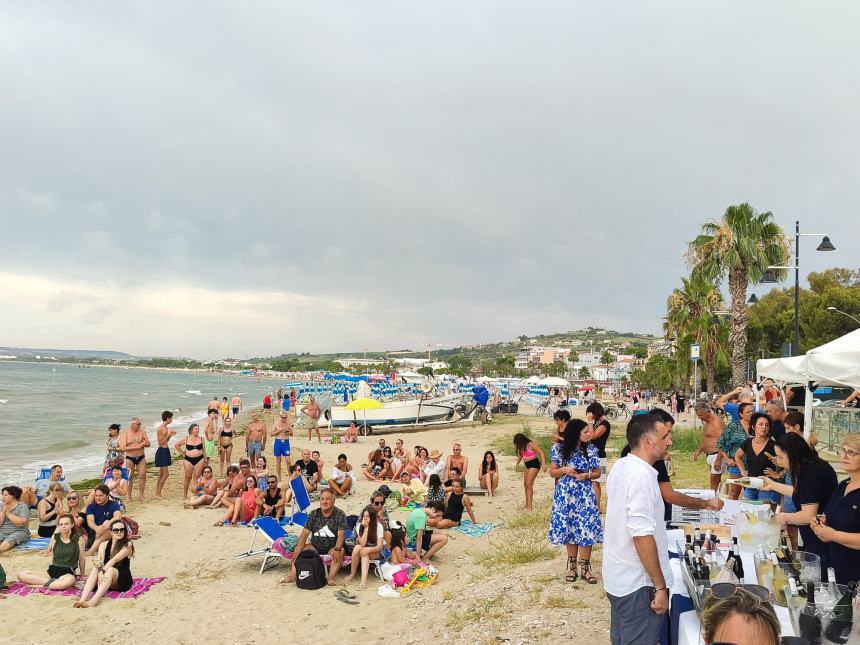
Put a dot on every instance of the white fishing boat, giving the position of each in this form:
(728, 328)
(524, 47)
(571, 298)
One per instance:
(424, 410)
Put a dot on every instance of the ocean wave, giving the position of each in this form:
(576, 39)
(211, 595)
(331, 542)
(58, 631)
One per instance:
(68, 444)
(197, 392)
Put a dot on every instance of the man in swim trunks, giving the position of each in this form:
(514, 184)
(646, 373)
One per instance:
(237, 404)
(456, 460)
(282, 430)
(213, 404)
(209, 431)
(312, 409)
(713, 428)
(133, 442)
(162, 453)
(255, 440)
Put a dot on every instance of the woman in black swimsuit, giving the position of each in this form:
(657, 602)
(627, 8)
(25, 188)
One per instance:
(191, 448)
(49, 509)
(225, 444)
(455, 504)
(111, 567)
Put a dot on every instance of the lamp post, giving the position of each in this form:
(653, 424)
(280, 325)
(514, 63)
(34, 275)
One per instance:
(770, 277)
(839, 311)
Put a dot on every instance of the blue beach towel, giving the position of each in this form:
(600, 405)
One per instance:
(39, 543)
(467, 527)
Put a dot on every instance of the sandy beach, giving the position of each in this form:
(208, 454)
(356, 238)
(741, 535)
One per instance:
(209, 595)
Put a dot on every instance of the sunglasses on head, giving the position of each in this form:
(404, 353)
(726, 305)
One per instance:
(723, 590)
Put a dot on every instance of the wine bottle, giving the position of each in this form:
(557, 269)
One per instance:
(808, 622)
(707, 543)
(780, 580)
(839, 628)
(738, 563)
(831, 582)
(696, 541)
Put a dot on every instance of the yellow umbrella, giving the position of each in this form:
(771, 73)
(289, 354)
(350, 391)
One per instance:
(365, 405)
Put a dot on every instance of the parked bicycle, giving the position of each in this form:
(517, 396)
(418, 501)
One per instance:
(621, 411)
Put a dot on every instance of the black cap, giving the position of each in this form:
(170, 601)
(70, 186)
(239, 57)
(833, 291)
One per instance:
(385, 490)
(114, 426)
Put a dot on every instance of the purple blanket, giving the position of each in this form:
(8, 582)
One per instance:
(141, 585)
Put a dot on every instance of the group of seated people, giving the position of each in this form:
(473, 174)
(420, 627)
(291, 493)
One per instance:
(387, 464)
(77, 525)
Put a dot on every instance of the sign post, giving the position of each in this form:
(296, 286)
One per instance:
(694, 354)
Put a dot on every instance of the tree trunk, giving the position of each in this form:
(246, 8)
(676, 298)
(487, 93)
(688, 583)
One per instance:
(738, 333)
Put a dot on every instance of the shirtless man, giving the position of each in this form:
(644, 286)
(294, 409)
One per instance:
(255, 440)
(713, 428)
(133, 442)
(237, 404)
(282, 431)
(162, 453)
(458, 460)
(213, 404)
(312, 409)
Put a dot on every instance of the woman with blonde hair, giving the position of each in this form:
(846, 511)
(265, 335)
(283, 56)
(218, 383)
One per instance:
(49, 509)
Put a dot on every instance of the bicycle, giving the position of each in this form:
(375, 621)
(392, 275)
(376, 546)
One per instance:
(620, 412)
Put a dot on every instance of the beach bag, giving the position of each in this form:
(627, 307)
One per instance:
(310, 572)
(286, 544)
(132, 528)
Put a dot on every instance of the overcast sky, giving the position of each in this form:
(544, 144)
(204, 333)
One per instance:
(214, 178)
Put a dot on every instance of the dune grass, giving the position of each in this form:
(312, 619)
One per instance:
(516, 547)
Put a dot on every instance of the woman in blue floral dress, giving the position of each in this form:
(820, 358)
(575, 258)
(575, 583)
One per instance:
(575, 518)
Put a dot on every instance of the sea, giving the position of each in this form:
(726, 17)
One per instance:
(60, 413)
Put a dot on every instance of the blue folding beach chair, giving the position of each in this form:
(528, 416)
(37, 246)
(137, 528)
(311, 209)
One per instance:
(273, 533)
(108, 474)
(301, 503)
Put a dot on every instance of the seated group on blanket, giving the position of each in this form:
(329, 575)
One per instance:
(375, 536)
(102, 534)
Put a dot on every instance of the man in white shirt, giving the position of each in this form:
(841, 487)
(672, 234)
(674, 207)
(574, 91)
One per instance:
(434, 466)
(636, 573)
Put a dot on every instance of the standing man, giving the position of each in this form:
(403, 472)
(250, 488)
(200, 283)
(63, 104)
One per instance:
(312, 409)
(134, 442)
(711, 431)
(727, 404)
(162, 453)
(456, 460)
(636, 572)
(237, 404)
(213, 404)
(776, 409)
(282, 430)
(255, 439)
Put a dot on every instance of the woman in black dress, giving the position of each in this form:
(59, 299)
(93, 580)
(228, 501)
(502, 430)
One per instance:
(111, 568)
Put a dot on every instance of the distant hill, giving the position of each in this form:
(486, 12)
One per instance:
(30, 353)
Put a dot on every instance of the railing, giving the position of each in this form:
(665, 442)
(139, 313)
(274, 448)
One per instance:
(832, 424)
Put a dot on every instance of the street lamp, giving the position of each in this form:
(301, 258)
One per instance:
(753, 299)
(839, 311)
(769, 276)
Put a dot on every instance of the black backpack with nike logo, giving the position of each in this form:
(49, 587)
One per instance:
(310, 572)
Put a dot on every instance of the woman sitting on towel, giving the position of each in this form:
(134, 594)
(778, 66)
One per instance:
(204, 490)
(68, 548)
(456, 502)
(111, 567)
(414, 468)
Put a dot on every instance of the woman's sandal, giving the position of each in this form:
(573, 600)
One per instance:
(585, 571)
(571, 576)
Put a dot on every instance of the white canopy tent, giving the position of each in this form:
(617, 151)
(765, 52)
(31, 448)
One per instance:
(834, 363)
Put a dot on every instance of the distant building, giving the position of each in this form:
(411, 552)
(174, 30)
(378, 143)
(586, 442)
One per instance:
(662, 347)
(540, 355)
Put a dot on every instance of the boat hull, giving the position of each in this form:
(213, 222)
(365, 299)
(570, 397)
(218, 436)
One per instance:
(399, 412)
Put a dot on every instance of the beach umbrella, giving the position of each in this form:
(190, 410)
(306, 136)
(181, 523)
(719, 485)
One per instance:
(555, 381)
(363, 405)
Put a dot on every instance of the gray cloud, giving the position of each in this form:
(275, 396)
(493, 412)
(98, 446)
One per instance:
(469, 171)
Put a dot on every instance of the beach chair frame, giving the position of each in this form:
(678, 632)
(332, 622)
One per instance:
(272, 531)
(300, 505)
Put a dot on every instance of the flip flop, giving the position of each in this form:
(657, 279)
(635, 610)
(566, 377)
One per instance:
(344, 596)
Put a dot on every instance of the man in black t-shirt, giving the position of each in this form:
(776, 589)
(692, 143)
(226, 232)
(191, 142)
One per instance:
(310, 471)
(325, 532)
(670, 495)
(775, 408)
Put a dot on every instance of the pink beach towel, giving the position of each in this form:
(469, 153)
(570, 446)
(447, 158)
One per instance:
(140, 586)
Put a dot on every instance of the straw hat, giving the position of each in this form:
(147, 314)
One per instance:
(435, 454)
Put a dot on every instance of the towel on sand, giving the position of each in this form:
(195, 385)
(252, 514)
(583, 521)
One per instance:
(38, 543)
(140, 586)
(467, 527)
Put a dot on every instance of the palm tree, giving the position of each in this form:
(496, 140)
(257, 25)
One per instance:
(691, 315)
(741, 246)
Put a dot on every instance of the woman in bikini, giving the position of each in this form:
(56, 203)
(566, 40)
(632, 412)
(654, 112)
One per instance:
(204, 490)
(225, 443)
(352, 433)
(534, 461)
(246, 507)
(191, 448)
(111, 567)
(421, 455)
(68, 550)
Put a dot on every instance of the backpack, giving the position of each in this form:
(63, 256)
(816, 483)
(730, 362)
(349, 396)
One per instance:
(310, 572)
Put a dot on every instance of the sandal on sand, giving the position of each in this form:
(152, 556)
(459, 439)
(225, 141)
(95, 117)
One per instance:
(585, 570)
(571, 576)
(219, 523)
(344, 596)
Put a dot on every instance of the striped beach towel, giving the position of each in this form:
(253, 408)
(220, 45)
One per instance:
(140, 586)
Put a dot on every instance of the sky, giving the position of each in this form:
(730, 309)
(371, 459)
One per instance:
(245, 179)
